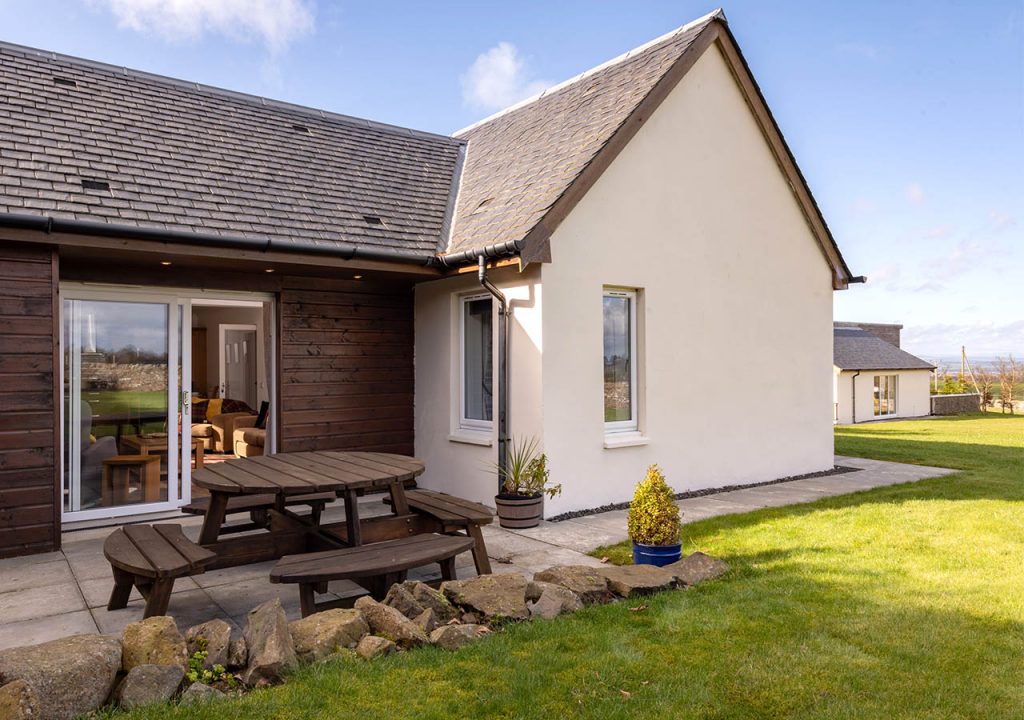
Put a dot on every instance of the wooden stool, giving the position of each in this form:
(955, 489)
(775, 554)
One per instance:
(116, 469)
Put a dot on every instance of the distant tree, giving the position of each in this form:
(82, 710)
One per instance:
(1011, 372)
(986, 381)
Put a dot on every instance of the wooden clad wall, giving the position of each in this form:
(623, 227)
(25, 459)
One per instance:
(346, 360)
(29, 504)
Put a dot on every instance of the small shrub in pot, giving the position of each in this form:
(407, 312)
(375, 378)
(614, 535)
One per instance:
(654, 521)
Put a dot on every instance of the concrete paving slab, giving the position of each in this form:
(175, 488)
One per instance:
(188, 608)
(237, 599)
(27, 575)
(97, 592)
(40, 630)
(229, 576)
(39, 602)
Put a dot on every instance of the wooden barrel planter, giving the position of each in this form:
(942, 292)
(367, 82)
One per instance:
(516, 511)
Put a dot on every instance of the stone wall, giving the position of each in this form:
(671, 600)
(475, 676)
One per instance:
(955, 404)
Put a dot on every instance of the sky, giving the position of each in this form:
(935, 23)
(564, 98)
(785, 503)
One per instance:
(907, 119)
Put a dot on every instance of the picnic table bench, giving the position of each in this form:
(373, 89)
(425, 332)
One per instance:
(453, 516)
(257, 507)
(377, 566)
(150, 558)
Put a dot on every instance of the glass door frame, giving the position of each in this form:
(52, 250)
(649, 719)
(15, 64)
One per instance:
(179, 364)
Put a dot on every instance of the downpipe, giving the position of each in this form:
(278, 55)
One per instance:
(853, 408)
(503, 374)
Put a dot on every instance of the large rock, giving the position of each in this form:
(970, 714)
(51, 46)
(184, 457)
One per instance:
(495, 597)
(373, 646)
(271, 651)
(553, 601)
(633, 580)
(200, 693)
(696, 568)
(323, 633)
(70, 676)
(588, 583)
(154, 641)
(147, 684)
(214, 637)
(412, 597)
(391, 624)
(400, 598)
(18, 701)
(426, 621)
(454, 637)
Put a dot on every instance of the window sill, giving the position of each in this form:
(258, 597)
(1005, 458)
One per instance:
(626, 439)
(468, 437)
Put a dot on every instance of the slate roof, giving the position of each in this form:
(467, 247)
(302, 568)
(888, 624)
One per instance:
(182, 156)
(856, 349)
(521, 160)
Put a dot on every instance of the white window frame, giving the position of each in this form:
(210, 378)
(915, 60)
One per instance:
(473, 425)
(180, 326)
(633, 424)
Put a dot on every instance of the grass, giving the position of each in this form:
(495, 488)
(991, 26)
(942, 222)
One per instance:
(900, 602)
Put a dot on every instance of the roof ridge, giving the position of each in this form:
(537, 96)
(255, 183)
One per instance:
(224, 92)
(716, 14)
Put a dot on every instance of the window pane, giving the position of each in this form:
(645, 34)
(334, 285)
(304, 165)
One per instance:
(478, 353)
(878, 395)
(618, 386)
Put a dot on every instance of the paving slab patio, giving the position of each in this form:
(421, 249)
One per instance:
(48, 596)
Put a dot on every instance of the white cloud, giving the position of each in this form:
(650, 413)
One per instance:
(498, 78)
(275, 23)
(938, 232)
(1001, 220)
(983, 338)
(915, 193)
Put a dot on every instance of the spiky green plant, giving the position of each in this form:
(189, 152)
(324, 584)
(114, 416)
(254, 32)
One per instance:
(526, 472)
(653, 514)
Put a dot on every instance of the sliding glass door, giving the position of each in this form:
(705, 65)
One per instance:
(122, 370)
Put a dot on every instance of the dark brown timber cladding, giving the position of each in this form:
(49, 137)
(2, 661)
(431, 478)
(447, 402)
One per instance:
(29, 507)
(346, 358)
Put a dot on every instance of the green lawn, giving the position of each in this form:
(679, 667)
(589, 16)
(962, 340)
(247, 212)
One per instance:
(901, 602)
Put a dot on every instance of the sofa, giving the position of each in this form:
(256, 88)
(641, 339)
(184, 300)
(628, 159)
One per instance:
(248, 439)
(213, 422)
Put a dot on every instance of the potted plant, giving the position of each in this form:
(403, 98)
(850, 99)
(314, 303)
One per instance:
(524, 483)
(654, 524)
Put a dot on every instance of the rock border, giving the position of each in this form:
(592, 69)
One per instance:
(153, 662)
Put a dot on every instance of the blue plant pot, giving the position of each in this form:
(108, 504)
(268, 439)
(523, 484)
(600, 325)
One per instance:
(659, 555)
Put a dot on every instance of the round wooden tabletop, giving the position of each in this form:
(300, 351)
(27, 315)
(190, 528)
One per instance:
(307, 472)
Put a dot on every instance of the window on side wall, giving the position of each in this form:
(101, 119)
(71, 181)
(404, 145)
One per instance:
(620, 361)
(476, 342)
(885, 395)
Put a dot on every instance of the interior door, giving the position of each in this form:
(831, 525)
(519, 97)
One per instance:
(121, 370)
(238, 364)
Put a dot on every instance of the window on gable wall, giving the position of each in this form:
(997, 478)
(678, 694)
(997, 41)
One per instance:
(476, 341)
(620, 361)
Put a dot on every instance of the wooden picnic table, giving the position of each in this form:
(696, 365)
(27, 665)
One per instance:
(347, 474)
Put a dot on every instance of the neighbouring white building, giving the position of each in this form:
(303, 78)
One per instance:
(671, 301)
(873, 379)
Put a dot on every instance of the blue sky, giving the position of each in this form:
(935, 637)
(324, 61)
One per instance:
(906, 118)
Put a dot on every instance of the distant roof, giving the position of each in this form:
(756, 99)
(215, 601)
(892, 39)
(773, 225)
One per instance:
(183, 156)
(856, 349)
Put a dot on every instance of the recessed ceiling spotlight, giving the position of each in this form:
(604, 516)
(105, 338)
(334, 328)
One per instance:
(357, 277)
(269, 270)
(165, 262)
